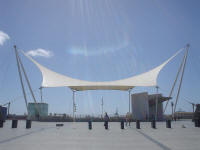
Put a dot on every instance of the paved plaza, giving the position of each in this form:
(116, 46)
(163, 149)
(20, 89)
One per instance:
(76, 136)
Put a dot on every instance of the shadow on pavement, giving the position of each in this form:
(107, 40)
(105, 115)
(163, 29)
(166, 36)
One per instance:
(154, 141)
(23, 135)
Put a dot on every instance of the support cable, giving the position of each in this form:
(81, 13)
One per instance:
(20, 76)
(174, 84)
(179, 88)
(26, 77)
(29, 85)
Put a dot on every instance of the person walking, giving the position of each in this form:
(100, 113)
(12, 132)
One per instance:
(128, 118)
(106, 119)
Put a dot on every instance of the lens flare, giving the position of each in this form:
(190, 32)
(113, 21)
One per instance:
(98, 28)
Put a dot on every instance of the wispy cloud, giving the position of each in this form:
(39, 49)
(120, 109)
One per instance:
(3, 37)
(96, 51)
(40, 53)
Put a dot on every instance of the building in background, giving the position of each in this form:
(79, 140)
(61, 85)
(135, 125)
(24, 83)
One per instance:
(37, 110)
(3, 113)
(144, 106)
(183, 115)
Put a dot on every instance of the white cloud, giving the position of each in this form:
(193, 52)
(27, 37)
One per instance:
(40, 53)
(3, 37)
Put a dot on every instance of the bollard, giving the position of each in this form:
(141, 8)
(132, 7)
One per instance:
(137, 124)
(90, 125)
(198, 124)
(106, 125)
(1, 123)
(14, 123)
(195, 122)
(168, 123)
(28, 124)
(122, 124)
(153, 124)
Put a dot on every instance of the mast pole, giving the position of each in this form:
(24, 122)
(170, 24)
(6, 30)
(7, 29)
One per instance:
(102, 108)
(74, 105)
(129, 95)
(172, 89)
(20, 76)
(172, 104)
(26, 77)
(29, 86)
(179, 88)
(9, 108)
(41, 94)
(156, 114)
(193, 107)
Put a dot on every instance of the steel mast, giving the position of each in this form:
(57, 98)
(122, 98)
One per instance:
(20, 76)
(179, 88)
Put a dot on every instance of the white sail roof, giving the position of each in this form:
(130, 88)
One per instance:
(53, 79)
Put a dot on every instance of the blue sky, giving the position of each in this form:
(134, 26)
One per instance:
(99, 40)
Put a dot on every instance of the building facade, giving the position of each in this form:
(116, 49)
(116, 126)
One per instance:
(3, 113)
(37, 110)
(144, 106)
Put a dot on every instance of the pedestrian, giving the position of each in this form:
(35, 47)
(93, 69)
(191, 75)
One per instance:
(106, 119)
(128, 118)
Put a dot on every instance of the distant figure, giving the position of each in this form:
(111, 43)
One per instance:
(106, 117)
(128, 118)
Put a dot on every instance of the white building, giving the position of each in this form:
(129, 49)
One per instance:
(144, 106)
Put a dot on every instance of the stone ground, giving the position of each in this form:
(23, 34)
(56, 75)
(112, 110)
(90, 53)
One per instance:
(76, 136)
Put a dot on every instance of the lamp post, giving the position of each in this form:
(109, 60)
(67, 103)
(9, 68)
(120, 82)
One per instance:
(102, 108)
(172, 104)
(74, 105)
(41, 94)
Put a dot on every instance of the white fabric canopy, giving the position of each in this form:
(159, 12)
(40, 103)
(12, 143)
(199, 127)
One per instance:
(53, 79)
